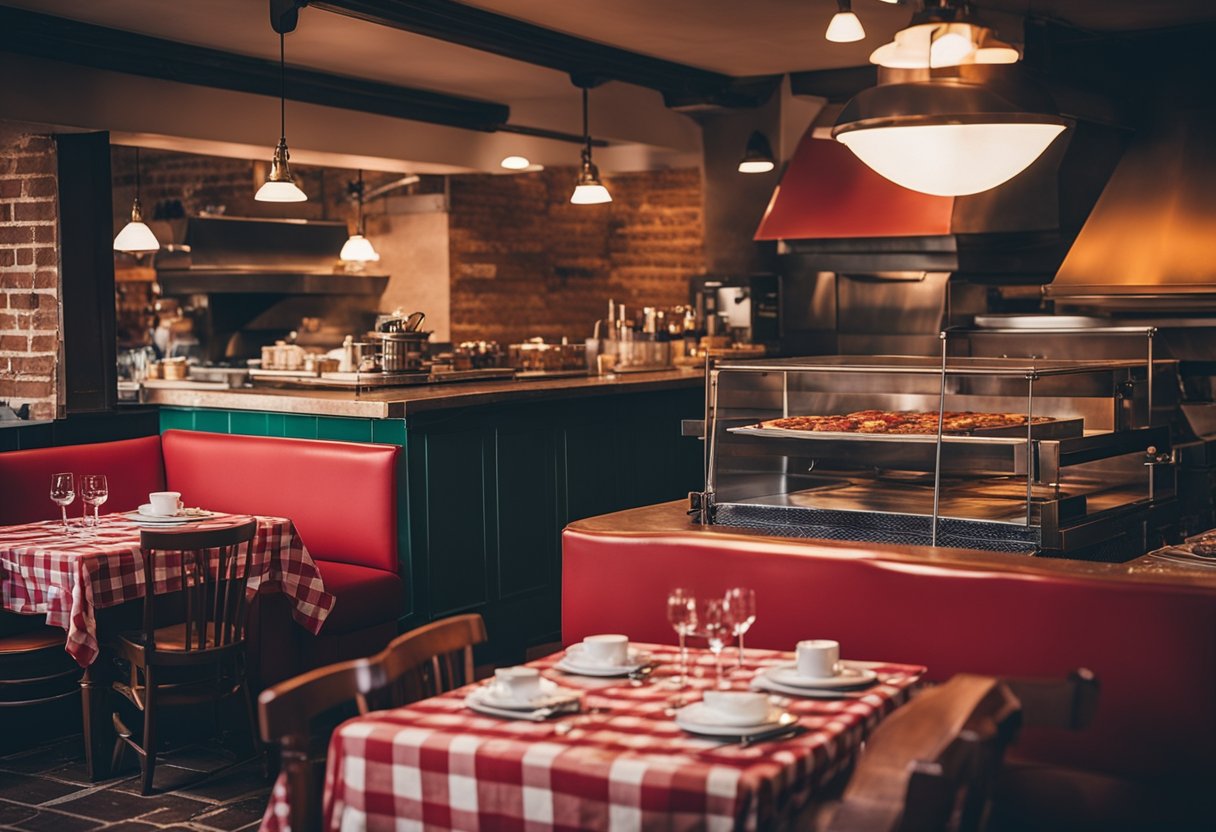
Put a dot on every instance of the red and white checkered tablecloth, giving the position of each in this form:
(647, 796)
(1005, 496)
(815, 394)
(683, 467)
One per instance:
(46, 572)
(622, 764)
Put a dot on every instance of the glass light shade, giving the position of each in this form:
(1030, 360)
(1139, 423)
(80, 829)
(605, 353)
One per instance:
(845, 28)
(951, 45)
(515, 163)
(359, 249)
(909, 49)
(595, 194)
(280, 192)
(756, 166)
(951, 159)
(136, 238)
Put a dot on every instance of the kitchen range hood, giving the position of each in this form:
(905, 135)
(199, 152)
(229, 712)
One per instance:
(831, 208)
(1150, 243)
(241, 255)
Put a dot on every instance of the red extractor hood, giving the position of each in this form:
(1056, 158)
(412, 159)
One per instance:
(828, 193)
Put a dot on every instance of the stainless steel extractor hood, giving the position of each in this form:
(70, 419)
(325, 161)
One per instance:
(1150, 242)
(241, 255)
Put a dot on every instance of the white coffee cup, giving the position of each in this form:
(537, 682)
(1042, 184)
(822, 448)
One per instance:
(739, 707)
(608, 649)
(518, 683)
(818, 658)
(165, 503)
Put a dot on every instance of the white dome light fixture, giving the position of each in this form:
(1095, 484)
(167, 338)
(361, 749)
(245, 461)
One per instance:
(948, 137)
(135, 237)
(357, 249)
(515, 163)
(844, 26)
(280, 185)
(588, 190)
(942, 36)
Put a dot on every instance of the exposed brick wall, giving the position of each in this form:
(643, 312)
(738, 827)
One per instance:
(525, 262)
(29, 272)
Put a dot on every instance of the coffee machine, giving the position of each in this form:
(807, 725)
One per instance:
(744, 307)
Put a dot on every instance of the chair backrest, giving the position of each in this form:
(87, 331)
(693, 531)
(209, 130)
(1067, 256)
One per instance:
(424, 662)
(287, 713)
(931, 763)
(213, 568)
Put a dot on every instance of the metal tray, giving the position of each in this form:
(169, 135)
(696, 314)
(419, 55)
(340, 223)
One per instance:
(1054, 429)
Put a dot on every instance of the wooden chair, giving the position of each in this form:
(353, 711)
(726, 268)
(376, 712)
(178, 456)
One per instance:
(200, 658)
(289, 715)
(34, 667)
(427, 661)
(929, 765)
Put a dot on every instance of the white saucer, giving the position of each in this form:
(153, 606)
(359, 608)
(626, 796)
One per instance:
(765, 683)
(848, 677)
(160, 519)
(570, 663)
(697, 718)
(550, 694)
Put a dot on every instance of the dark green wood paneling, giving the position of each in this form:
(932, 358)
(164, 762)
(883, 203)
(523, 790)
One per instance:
(455, 521)
(528, 524)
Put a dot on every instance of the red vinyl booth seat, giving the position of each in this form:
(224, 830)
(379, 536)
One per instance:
(1153, 647)
(133, 469)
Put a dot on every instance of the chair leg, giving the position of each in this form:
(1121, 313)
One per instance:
(252, 713)
(149, 739)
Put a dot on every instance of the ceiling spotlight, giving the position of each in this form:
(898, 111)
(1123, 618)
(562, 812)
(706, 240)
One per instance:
(759, 155)
(844, 26)
(948, 137)
(515, 163)
(280, 185)
(136, 237)
(588, 190)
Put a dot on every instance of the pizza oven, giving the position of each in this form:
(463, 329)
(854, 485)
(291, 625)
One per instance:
(1065, 458)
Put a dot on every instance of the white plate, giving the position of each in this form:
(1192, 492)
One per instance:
(698, 719)
(764, 683)
(570, 663)
(549, 694)
(849, 677)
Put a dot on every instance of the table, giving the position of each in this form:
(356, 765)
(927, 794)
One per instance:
(623, 764)
(44, 571)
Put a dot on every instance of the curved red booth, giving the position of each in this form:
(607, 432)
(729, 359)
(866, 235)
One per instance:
(1151, 644)
(342, 497)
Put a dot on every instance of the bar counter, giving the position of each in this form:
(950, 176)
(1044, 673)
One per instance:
(402, 402)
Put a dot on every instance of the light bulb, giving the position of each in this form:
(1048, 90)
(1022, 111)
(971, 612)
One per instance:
(951, 159)
(845, 28)
(756, 166)
(359, 249)
(951, 47)
(590, 195)
(515, 163)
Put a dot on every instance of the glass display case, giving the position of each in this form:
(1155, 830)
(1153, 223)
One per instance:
(1016, 455)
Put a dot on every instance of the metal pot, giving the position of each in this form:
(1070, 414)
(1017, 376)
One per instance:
(402, 352)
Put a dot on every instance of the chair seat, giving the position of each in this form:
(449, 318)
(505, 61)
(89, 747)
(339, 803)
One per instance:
(32, 641)
(365, 596)
(171, 637)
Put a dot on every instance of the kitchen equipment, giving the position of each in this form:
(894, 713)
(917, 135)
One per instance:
(402, 350)
(535, 358)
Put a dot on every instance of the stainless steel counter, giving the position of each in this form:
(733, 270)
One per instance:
(399, 403)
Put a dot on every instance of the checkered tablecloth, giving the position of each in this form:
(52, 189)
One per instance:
(66, 578)
(622, 764)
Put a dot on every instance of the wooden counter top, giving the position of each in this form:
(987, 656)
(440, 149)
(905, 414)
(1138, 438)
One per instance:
(672, 519)
(402, 402)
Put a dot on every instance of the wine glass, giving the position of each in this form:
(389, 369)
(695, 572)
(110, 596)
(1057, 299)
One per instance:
(717, 627)
(682, 614)
(741, 602)
(94, 490)
(63, 492)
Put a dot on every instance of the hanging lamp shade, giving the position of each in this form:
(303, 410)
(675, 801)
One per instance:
(758, 158)
(844, 27)
(359, 249)
(135, 237)
(588, 189)
(280, 185)
(948, 137)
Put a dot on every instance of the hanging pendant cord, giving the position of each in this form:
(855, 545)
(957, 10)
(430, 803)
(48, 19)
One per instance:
(359, 221)
(282, 92)
(586, 129)
(137, 173)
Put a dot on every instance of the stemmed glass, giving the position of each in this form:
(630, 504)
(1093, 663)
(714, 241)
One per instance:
(63, 492)
(94, 490)
(717, 627)
(682, 614)
(741, 602)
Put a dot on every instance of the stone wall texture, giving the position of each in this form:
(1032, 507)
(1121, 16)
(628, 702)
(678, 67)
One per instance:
(29, 273)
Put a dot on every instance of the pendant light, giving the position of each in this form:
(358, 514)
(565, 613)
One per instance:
(136, 237)
(589, 190)
(358, 249)
(280, 186)
(949, 136)
(759, 155)
(844, 26)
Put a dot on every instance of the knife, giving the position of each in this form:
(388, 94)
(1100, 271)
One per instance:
(783, 732)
